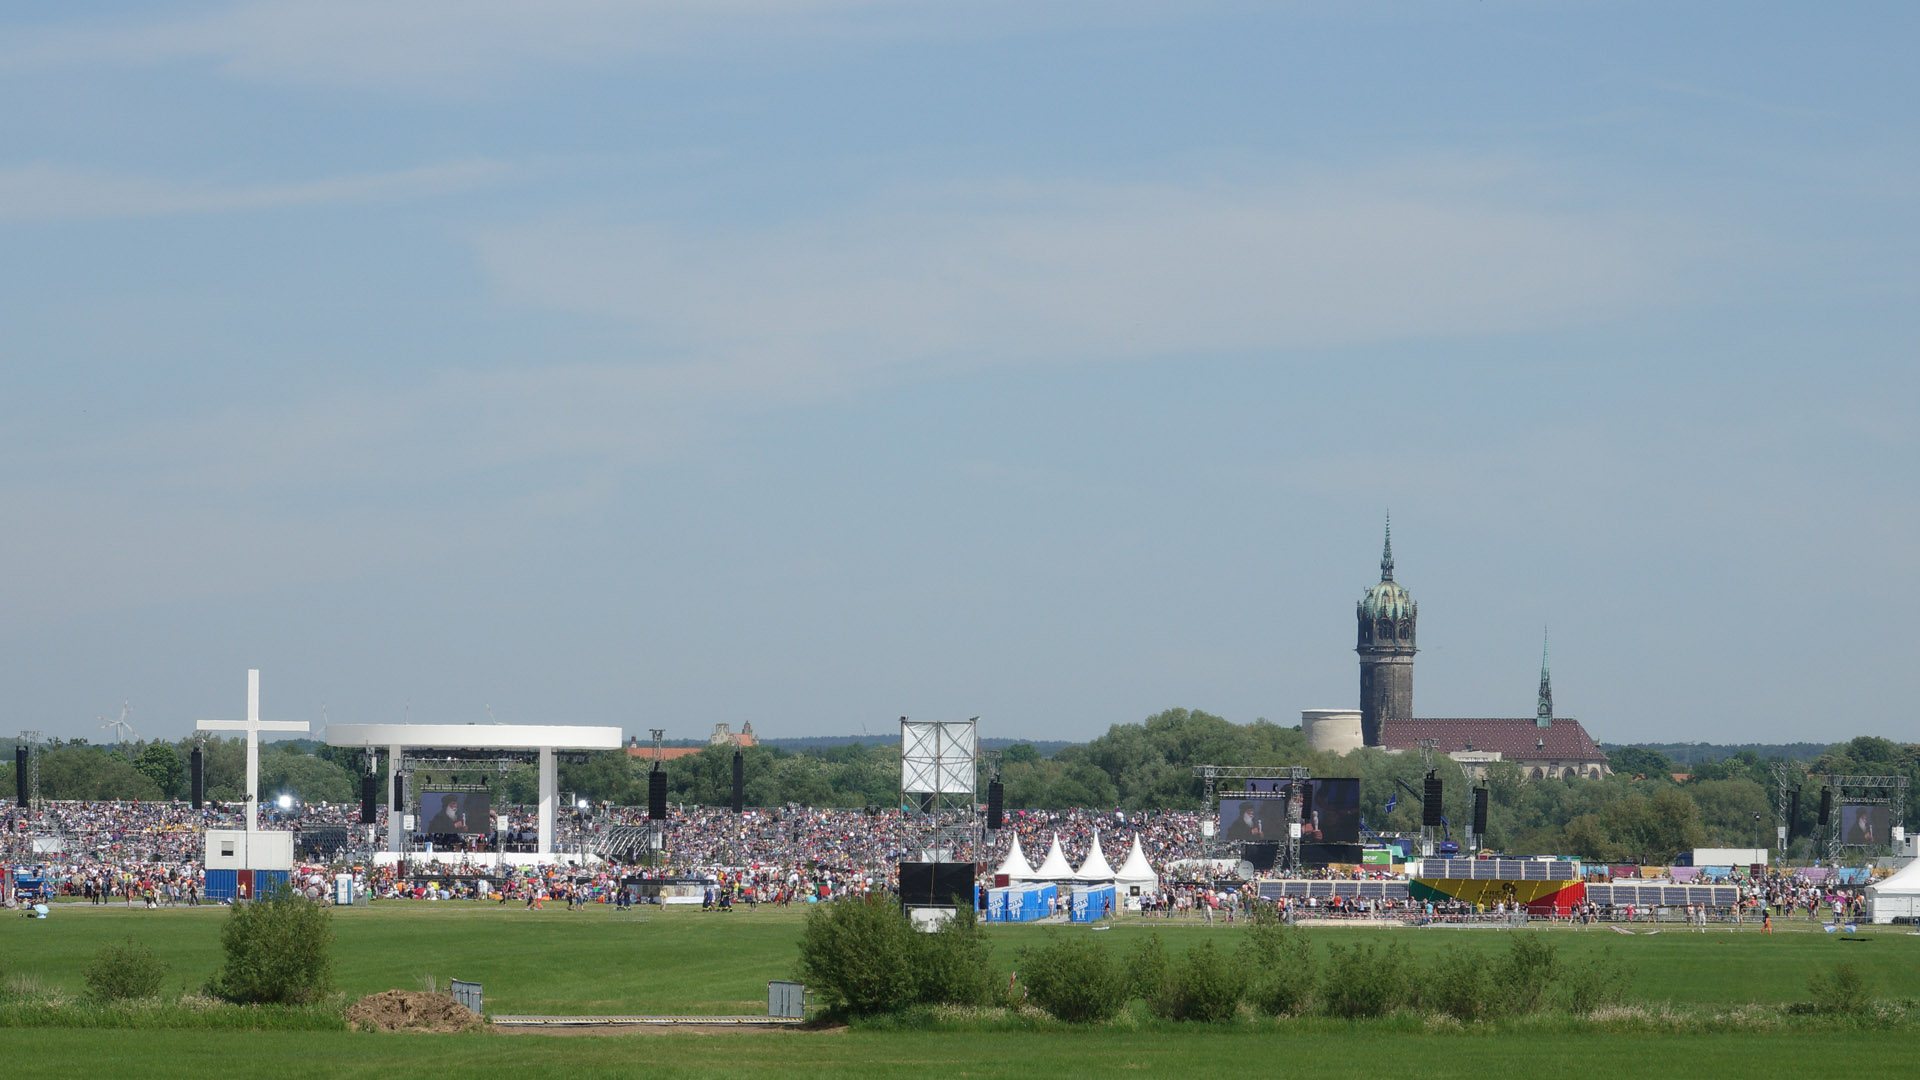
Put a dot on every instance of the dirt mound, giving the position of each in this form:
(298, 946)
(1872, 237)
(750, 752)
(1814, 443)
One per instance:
(410, 1010)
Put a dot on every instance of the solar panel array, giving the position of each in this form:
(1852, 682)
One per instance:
(1499, 869)
(1662, 895)
(1326, 890)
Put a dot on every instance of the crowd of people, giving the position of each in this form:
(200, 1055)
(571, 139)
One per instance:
(151, 854)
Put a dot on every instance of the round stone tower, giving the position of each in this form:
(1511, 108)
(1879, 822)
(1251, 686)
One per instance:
(1386, 615)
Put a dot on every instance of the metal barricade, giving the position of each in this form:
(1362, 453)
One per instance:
(468, 994)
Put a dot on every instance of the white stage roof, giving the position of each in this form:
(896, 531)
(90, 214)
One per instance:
(476, 736)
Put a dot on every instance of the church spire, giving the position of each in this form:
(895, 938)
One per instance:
(1543, 713)
(1386, 553)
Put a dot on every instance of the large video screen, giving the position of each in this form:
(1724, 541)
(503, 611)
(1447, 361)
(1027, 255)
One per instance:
(456, 812)
(1330, 812)
(1863, 825)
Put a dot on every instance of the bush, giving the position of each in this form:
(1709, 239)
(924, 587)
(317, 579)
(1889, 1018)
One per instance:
(1594, 982)
(1204, 986)
(123, 972)
(1459, 985)
(1844, 993)
(276, 952)
(1364, 981)
(1278, 960)
(1075, 979)
(857, 954)
(1522, 979)
(1146, 968)
(953, 965)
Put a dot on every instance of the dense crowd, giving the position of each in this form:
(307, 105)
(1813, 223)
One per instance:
(151, 853)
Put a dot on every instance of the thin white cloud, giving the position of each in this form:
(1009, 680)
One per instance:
(441, 45)
(43, 192)
(1079, 272)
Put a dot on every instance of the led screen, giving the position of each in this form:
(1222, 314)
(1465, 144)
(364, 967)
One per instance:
(1863, 825)
(456, 813)
(1330, 816)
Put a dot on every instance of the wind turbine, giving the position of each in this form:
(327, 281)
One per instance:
(122, 731)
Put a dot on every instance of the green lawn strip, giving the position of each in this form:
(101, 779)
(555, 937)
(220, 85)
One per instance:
(161, 1055)
(678, 961)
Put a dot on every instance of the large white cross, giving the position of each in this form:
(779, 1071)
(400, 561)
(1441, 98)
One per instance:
(253, 726)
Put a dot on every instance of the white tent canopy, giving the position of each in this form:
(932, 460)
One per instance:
(1095, 866)
(1015, 865)
(1055, 866)
(1136, 870)
(1896, 897)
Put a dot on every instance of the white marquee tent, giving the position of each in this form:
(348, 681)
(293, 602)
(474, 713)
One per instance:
(1094, 868)
(1015, 865)
(1897, 897)
(1136, 871)
(1055, 866)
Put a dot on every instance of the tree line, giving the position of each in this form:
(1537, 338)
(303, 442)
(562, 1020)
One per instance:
(1642, 812)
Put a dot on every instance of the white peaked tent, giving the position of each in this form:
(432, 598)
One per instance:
(1095, 866)
(1015, 865)
(1055, 866)
(1136, 871)
(1897, 897)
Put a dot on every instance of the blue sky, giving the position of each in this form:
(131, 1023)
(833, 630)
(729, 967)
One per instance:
(815, 363)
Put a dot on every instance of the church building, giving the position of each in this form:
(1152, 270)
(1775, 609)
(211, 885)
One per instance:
(1543, 745)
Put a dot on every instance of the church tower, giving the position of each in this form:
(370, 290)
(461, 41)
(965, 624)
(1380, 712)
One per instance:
(1386, 616)
(1543, 711)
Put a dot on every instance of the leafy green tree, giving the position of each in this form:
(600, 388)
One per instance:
(277, 952)
(160, 763)
(1636, 761)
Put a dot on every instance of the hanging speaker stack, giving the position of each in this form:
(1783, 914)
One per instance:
(656, 796)
(1431, 809)
(197, 777)
(996, 803)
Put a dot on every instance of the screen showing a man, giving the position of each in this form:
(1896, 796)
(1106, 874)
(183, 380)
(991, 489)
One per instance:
(1241, 820)
(1863, 825)
(455, 813)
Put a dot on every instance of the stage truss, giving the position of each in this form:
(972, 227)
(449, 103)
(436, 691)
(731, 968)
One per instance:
(1212, 775)
(1888, 791)
(939, 790)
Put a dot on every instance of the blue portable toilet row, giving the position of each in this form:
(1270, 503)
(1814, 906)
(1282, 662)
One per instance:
(1091, 903)
(1020, 903)
(243, 884)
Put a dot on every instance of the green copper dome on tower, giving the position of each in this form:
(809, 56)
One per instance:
(1386, 617)
(1386, 599)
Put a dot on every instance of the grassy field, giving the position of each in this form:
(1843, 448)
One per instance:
(681, 961)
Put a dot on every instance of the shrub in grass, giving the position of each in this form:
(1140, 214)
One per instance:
(953, 965)
(276, 952)
(1278, 960)
(1362, 980)
(1523, 978)
(1594, 983)
(857, 955)
(1146, 968)
(1842, 993)
(1203, 986)
(1075, 979)
(123, 972)
(1459, 985)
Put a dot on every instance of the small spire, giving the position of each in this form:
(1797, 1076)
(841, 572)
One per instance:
(1386, 552)
(1543, 713)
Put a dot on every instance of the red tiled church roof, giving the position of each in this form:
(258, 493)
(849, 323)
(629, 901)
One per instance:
(1513, 740)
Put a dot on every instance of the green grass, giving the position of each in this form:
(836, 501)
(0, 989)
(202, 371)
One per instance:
(56, 1055)
(681, 961)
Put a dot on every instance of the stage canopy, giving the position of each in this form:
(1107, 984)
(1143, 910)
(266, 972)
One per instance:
(543, 738)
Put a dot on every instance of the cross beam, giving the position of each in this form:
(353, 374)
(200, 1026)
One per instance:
(253, 726)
